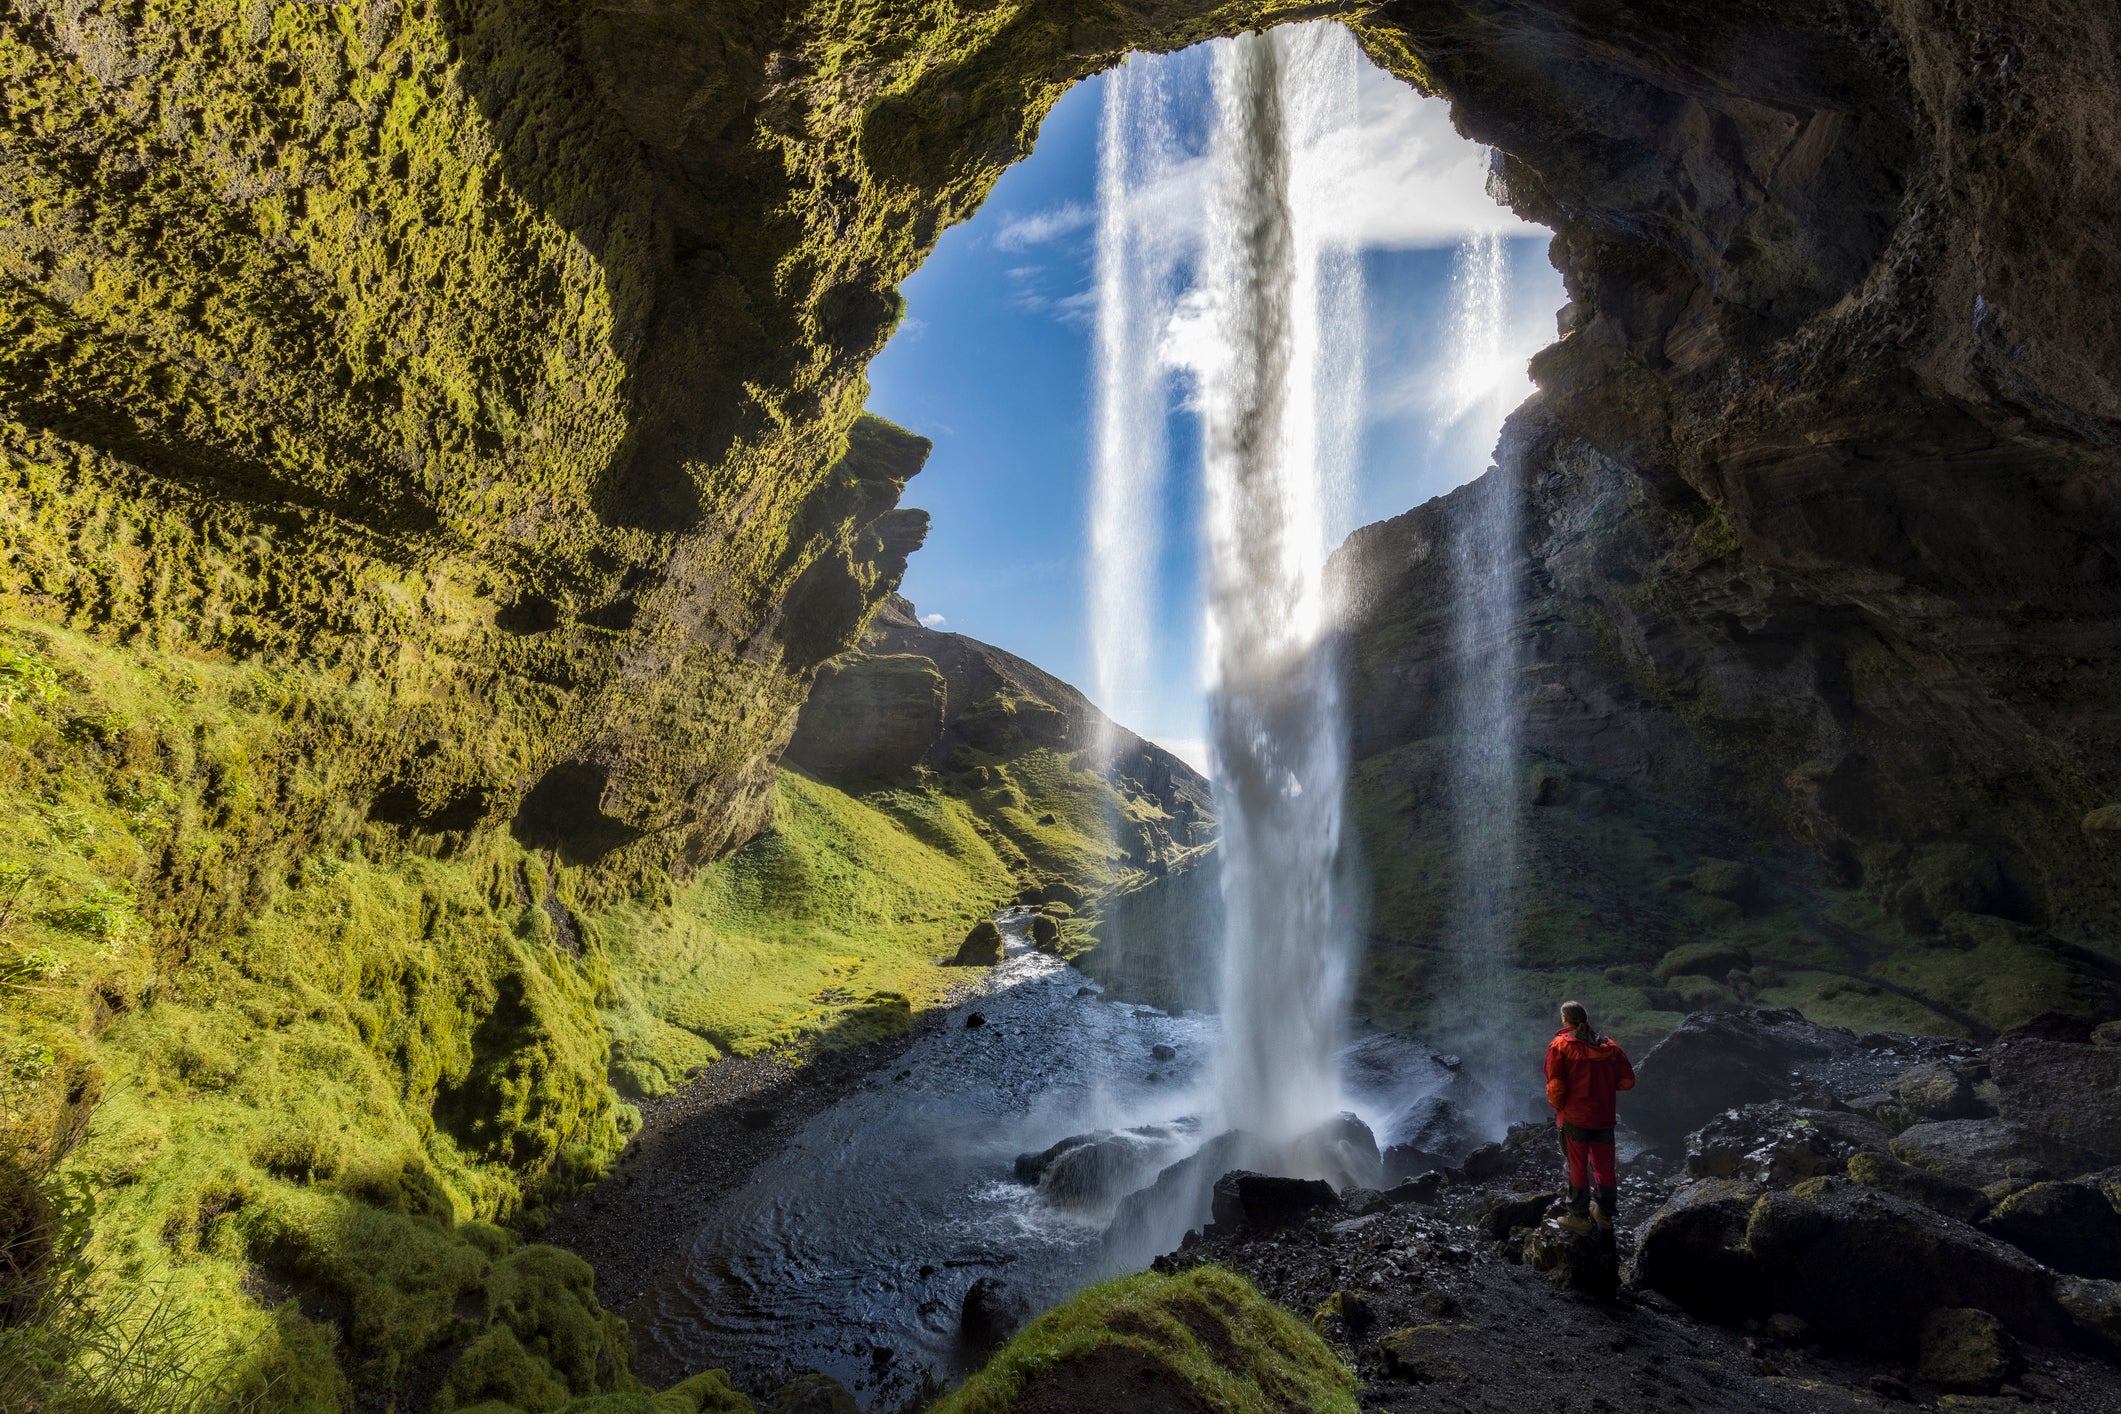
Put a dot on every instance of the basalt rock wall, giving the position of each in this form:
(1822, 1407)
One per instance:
(1820, 512)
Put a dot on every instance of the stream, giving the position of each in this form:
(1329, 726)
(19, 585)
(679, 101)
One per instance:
(852, 1250)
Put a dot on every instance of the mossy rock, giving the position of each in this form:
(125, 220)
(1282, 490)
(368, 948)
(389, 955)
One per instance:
(1205, 1342)
(1045, 932)
(1710, 960)
(1966, 1349)
(1729, 879)
(982, 946)
(1629, 975)
(1702, 994)
(1934, 1191)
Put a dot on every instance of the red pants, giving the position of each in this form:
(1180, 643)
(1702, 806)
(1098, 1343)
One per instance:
(1597, 1157)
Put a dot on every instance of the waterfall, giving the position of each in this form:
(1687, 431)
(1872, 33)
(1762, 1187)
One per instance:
(1135, 266)
(1486, 789)
(1275, 415)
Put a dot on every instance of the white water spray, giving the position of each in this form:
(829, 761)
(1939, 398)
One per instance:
(1486, 788)
(1276, 425)
(1136, 262)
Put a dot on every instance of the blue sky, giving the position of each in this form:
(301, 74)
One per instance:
(993, 362)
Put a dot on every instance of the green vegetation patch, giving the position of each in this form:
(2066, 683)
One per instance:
(1206, 1340)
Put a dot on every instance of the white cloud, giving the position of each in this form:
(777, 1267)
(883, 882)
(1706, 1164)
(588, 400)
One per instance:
(1038, 227)
(934, 620)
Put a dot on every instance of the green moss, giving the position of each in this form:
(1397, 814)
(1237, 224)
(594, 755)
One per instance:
(1208, 1331)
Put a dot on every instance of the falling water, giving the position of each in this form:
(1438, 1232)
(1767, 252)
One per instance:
(1484, 766)
(1135, 267)
(1271, 430)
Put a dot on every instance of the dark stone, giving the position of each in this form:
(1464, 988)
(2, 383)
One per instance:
(976, 1020)
(1717, 1061)
(1163, 1053)
(2068, 1088)
(1934, 1191)
(1966, 1349)
(1693, 1250)
(1777, 1145)
(1935, 1092)
(1586, 1263)
(1986, 1151)
(2072, 1227)
(1484, 1163)
(1866, 1268)
(992, 1312)
(1261, 1202)
(1422, 1188)
(1087, 1175)
(1029, 1167)
(1506, 1214)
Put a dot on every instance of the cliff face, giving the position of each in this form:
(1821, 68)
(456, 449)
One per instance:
(1820, 509)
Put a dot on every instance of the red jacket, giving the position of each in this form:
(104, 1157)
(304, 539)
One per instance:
(1583, 1077)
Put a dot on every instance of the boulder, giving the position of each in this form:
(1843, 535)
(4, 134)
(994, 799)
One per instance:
(992, 1312)
(1576, 1262)
(1422, 1188)
(2070, 1226)
(1717, 1061)
(1505, 1214)
(1260, 1202)
(1030, 1167)
(1342, 1148)
(1705, 960)
(1416, 1355)
(1693, 1250)
(1062, 892)
(1935, 1092)
(1962, 1348)
(1867, 1268)
(1988, 1151)
(1934, 1191)
(2070, 1089)
(2093, 1309)
(2107, 1033)
(1726, 879)
(1163, 1052)
(1045, 932)
(1776, 1145)
(982, 946)
(1089, 1175)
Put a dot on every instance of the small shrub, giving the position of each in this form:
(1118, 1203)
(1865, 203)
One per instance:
(25, 678)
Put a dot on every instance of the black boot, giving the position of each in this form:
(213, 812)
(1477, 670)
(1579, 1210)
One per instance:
(1607, 1206)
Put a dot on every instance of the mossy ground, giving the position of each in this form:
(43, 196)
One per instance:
(319, 1145)
(1203, 1340)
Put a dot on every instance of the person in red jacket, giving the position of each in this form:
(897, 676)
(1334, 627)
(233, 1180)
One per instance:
(1585, 1071)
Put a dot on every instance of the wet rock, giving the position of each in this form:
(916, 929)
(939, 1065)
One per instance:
(1029, 1167)
(1350, 1308)
(1045, 933)
(1866, 1268)
(1580, 1262)
(1086, 991)
(1262, 1202)
(982, 946)
(2093, 1309)
(1147, 1221)
(1966, 1349)
(1363, 1203)
(1693, 1250)
(1093, 1172)
(1935, 1191)
(1776, 1145)
(1484, 1163)
(1422, 1188)
(1986, 1151)
(1345, 1149)
(992, 1312)
(1714, 1062)
(1504, 1214)
(815, 1393)
(1416, 1354)
(1163, 1053)
(2070, 1089)
(2072, 1227)
(975, 1021)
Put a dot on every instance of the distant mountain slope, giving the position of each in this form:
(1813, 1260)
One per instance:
(913, 705)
